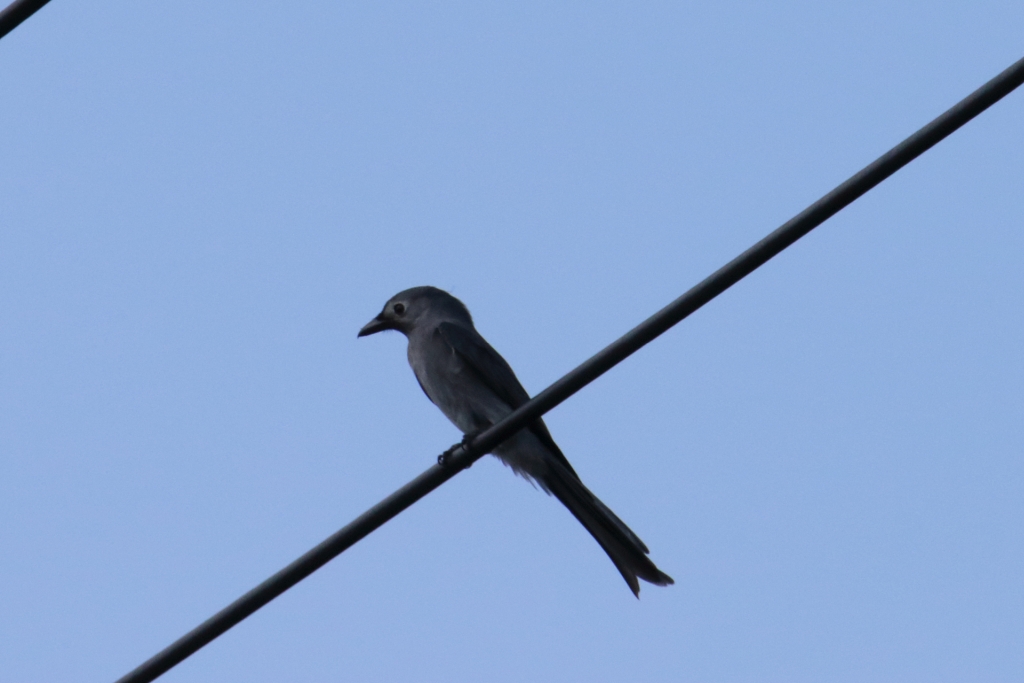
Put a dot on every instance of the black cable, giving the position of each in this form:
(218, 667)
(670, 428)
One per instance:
(463, 456)
(17, 12)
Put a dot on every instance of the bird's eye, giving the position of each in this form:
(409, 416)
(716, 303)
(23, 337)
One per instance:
(399, 309)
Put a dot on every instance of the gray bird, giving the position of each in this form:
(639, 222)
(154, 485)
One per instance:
(475, 388)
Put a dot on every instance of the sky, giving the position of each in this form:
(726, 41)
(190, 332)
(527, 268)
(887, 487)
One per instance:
(202, 203)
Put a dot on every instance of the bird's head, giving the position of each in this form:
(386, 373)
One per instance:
(406, 309)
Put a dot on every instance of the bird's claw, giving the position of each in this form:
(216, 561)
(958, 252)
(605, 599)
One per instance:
(445, 458)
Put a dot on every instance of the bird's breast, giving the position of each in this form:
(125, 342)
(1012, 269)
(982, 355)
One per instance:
(454, 386)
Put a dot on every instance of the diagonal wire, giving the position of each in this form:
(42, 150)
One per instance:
(17, 12)
(463, 455)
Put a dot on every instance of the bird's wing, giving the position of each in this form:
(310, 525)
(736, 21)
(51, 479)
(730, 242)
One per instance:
(497, 375)
(422, 387)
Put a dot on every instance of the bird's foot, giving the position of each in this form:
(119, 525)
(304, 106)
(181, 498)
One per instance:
(445, 458)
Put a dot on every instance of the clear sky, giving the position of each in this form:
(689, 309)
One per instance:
(201, 203)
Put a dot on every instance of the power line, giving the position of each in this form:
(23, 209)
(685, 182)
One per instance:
(17, 12)
(462, 456)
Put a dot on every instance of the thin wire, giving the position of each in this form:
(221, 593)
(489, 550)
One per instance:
(17, 12)
(462, 456)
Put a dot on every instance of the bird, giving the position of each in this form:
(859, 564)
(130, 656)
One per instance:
(475, 388)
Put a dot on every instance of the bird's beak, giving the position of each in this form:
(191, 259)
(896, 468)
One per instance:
(378, 324)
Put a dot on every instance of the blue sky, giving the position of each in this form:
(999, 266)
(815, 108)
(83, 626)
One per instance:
(201, 204)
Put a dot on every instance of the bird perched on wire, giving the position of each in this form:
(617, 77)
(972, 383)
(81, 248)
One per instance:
(475, 388)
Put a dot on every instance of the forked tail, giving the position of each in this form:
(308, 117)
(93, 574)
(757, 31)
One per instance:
(627, 552)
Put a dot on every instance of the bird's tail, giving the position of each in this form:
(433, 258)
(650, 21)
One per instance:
(627, 552)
